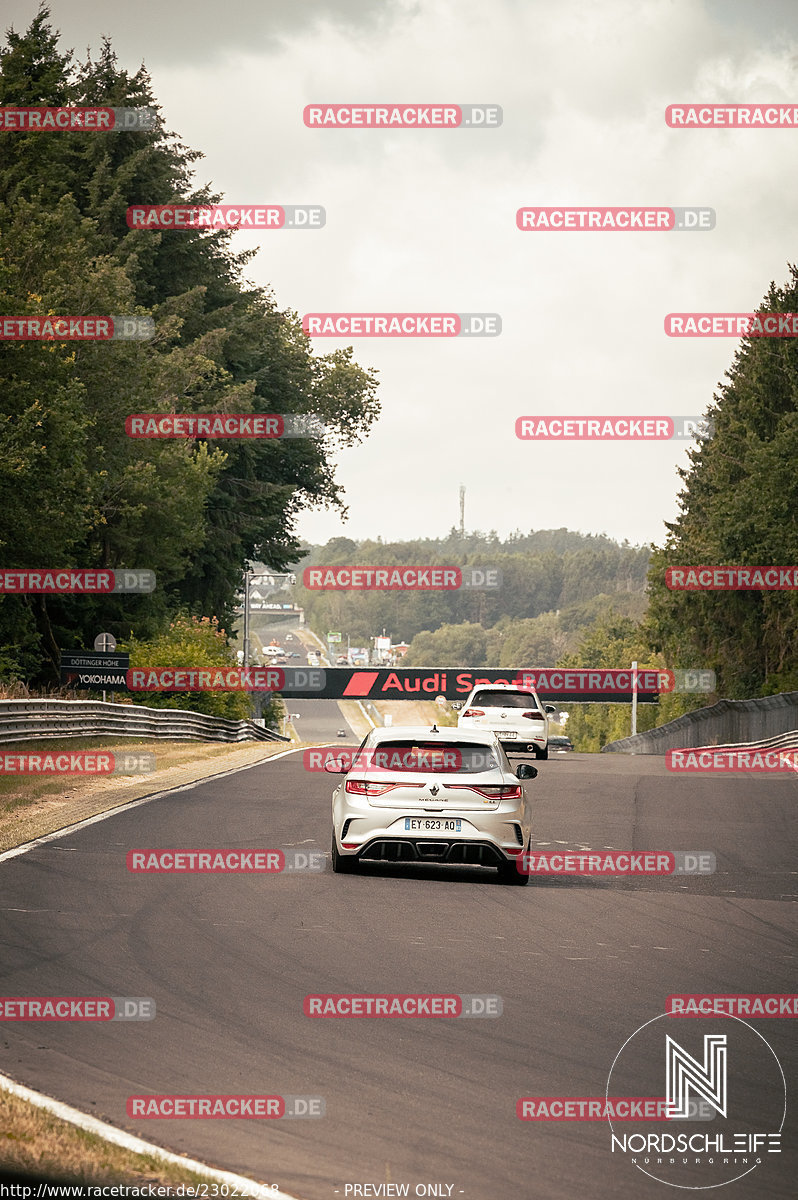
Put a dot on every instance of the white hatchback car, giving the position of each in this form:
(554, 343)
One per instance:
(419, 794)
(514, 714)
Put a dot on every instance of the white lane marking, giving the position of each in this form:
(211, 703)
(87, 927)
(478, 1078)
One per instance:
(137, 1145)
(113, 812)
(109, 1132)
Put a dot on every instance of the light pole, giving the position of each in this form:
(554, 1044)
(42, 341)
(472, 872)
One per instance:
(247, 578)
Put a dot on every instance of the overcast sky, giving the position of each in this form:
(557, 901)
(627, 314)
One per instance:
(424, 220)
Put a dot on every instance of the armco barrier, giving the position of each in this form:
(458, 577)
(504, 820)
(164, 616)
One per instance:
(34, 720)
(727, 723)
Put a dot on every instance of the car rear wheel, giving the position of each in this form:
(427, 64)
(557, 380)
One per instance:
(542, 753)
(340, 864)
(509, 874)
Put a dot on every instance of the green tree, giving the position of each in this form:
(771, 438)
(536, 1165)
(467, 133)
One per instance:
(193, 512)
(613, 642)
(198, 643)
(739, 505)
(450, 646)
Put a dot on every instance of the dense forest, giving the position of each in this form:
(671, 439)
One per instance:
(542, 573)
(74, 489)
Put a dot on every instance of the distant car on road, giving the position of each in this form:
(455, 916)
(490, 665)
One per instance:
(560, 744)
(341, 733)
(273, 651)
(514, 714)
(294, 654)
(340, 660)
(419, 794)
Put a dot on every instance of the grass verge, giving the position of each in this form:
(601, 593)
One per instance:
(34, 805)
(35, 1141)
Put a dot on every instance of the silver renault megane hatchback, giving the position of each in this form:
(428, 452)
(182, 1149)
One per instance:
(418, 794)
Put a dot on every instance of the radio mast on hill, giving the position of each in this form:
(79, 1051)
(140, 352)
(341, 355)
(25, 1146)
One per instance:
(462, 510)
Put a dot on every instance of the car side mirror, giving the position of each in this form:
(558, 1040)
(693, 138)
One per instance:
(337, 767)
(526, 771)
(550, 708)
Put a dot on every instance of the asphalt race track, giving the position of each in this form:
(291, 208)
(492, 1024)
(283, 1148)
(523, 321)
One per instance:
(580, 964)
(319, 721)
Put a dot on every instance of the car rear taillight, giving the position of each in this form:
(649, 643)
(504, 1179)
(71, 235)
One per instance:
(364, 787)
(474, 712)
(533, 716)
(497, 791)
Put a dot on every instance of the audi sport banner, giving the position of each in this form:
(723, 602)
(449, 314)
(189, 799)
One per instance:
(405, 683)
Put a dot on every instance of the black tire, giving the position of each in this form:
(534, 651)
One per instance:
(509, 874)
(340, 864)
(542, 753)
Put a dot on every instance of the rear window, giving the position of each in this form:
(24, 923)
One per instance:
(446, 758)
(493, 699)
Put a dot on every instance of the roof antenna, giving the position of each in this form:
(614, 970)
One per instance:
(435, 729)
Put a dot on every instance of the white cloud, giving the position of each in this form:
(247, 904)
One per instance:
(425, 221)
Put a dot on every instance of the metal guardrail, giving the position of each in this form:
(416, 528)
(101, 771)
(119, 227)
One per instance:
(754, 723)
(782, 741)
(37, 720)
(373, 712)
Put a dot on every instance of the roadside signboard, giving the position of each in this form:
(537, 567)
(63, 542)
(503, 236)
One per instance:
(94, 670)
